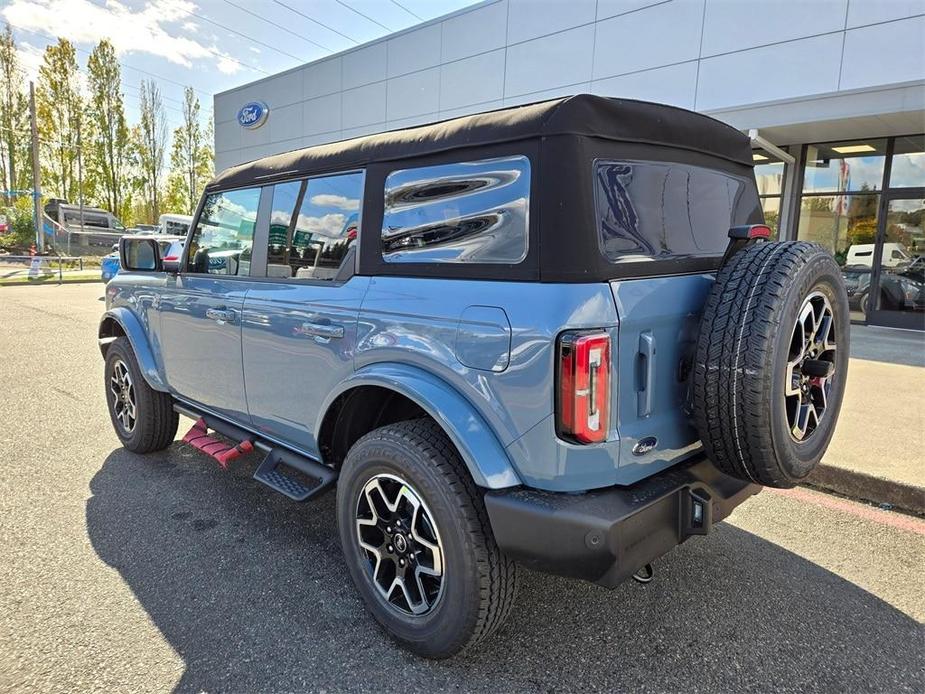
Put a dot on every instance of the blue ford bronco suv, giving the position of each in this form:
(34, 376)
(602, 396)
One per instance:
(554, 336)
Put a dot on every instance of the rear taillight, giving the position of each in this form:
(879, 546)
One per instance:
(583, 401)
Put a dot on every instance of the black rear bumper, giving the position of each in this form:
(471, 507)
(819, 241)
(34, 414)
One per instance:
(606, 536)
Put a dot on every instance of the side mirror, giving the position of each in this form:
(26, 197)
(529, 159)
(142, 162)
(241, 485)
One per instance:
(139, 254)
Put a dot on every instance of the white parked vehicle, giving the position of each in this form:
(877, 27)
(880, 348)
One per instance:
(174, 224)
(894, 254)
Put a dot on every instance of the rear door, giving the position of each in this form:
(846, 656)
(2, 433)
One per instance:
(202, 306)
(300, 322)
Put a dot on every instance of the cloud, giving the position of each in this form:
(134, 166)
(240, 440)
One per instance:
(326, 225)
(129, 30)
(339, 202)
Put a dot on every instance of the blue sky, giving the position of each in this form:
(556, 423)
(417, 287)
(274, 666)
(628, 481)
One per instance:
(211, 45)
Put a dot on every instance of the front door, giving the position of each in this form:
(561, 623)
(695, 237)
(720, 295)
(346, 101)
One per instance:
(300, 323)
(897, 296)
(202, 307)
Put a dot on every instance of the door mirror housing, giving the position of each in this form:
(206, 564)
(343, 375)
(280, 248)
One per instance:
(139, 254)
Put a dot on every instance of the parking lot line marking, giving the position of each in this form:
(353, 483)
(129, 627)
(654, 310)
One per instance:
(891, 518)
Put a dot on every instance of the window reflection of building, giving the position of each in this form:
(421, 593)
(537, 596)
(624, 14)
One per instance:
(769, 175)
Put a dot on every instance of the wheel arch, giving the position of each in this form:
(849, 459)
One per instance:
(120, 322)
(384, 393)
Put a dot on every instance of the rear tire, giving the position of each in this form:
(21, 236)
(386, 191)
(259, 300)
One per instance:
(143, 418)
(413, 464)
(761, 407)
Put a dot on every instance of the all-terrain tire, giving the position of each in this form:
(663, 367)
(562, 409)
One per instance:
(155, 422)
(479, 582)
(741, 372)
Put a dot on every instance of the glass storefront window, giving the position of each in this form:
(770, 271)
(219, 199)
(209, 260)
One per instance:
(902, 262)
(771, 208)
(769, 176)
(908, 168)
(840, 167)
(841, 223)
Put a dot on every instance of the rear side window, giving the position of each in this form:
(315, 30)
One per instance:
(466, 212)
(224, 235)
(658, 209)
(314, 226)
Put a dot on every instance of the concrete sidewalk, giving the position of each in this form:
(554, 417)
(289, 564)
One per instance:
(877, 451)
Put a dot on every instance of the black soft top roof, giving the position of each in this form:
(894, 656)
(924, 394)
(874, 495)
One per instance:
(623, 120)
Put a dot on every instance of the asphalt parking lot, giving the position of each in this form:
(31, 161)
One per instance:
(122, 572)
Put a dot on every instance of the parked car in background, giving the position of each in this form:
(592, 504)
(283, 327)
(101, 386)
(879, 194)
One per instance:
(91, 229)
(177, 224)
(110, 264)
(901, 289)
(552, 335)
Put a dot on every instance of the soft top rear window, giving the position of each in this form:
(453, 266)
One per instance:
(647, 210)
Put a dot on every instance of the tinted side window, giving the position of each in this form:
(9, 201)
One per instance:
(222, 241)
(652, 209)
(468, 212)
(317, 241)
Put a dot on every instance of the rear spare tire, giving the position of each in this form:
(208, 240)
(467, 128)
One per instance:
(771, 362)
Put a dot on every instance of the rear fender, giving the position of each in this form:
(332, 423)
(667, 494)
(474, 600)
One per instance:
(130, 325)
(484, 456)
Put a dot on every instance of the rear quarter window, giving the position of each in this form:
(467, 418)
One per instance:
(649, 210)
(465, 212)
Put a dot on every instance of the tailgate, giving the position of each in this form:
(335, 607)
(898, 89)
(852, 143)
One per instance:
(659, 319)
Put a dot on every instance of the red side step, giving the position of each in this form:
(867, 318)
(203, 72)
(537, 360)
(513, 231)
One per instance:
(198, 437)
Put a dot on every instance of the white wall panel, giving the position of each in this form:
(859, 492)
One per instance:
(482, 29)
(286, 123)
(322, 115)
(861, 12)
(552, 61)
(473, 108)
(413, 94)
(529, 19)
(321, 78)
(364, 65)
(675, 85)
(609, 8)
(656, 36)
(415, 50)
(735, 26)
(808, 66)
(227, 136)
(884, 53)
(473, 80)
(363, 105)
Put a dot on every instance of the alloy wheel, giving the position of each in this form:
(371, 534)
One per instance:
(123, 396)
(401, 542)
(810, 366)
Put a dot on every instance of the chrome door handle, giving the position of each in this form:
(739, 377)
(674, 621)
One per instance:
(329, 330)
(220, 315)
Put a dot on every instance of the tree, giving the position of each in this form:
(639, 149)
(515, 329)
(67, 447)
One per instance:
(60, 116)
(151, 142)
(191, 159)
(13, 111)
(108, 147)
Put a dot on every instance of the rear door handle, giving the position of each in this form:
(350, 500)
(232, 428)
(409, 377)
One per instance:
(222, 315)
(647, 373)
(328, 330)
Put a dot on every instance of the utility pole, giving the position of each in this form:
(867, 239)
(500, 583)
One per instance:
(36, 175)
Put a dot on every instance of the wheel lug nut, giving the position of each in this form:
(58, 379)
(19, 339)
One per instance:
(390, 548)
(401, 562)
(388, 529)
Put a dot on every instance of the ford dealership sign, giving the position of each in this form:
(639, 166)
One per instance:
(253, 115)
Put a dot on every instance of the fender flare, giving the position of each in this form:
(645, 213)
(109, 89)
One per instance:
(483, 454)
(137, 337)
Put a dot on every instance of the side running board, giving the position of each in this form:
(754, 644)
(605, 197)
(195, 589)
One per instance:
(293, 475)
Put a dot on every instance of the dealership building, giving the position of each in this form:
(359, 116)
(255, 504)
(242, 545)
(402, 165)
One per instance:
(832, 93)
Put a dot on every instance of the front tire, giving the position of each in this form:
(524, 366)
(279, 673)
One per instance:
(143, 418)
(418, 543)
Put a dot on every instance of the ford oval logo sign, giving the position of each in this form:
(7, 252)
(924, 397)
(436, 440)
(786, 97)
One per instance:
(253, 115)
